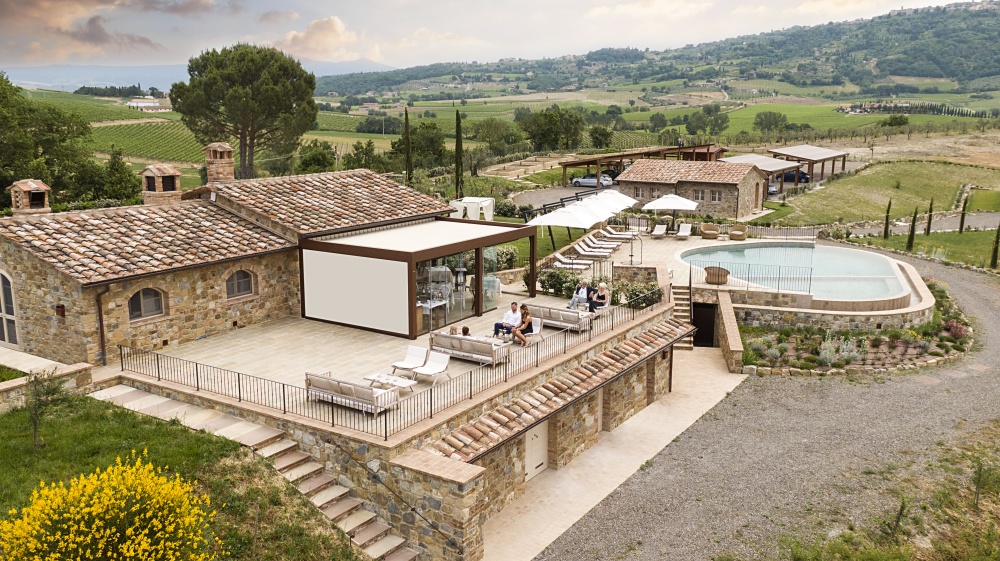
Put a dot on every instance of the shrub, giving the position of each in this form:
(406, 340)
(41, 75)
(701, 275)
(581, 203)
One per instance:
(506, 209)
(837, 364)
(506, 257)
(638, 295)
(773, 354)
(958, 347)
(758, 346)
(944, 347)
(749, 357)
(559, 282)
(935, 353)
(128, 511)
(956, 329)
(806, 365)
(785, 332)
(876, 342)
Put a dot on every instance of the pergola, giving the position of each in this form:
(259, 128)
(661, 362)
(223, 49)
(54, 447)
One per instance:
(705, 151)
(812, 155)
(768, 165)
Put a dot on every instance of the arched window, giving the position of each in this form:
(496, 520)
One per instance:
(146, 303)
(239, 283)
(8, 324)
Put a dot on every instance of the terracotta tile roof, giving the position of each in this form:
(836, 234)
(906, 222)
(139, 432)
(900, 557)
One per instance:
(326, 202)
(160, 170)
(107, 244)
(673, 171)
(504, 423)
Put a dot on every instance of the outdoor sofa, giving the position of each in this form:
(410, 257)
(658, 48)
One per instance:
(561, 318)
(371, 400)
(483, 350)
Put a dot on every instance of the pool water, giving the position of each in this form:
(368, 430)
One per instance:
(829, 273)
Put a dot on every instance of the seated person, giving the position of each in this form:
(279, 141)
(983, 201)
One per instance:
(581, 295)
(525, 326)
(453, 330)
(601, 298)
(466, 332)
(511, 319)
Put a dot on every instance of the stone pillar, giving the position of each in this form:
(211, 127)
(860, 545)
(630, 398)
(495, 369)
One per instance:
(573, 430)
(447, 493)
(219, 162)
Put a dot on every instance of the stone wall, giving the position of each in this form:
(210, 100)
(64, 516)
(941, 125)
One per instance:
(784, 317)
(659, 375)
(573, 430)
(634, 273)
(727, 334)
(624, 397)
(738, 201)
(504, 478)
(76, 380)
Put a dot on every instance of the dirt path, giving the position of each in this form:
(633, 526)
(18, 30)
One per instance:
(97, 124)
(800, 457)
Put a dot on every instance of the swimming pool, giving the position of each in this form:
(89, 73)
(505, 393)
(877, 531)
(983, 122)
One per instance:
(828, 273)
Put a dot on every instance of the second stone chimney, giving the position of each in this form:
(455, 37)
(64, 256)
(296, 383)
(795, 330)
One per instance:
(219, 162)
(161, 184)
(29, 196)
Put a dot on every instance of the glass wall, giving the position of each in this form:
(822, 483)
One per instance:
(444, 295)
(491, 283)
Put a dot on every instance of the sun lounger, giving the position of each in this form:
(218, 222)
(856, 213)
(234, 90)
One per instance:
(437, 366)
(659, 232)
(684, 232)
(415, 357)
(560, 258)
(595, 255)
(609, 234)
(593, 249)
(610, 244)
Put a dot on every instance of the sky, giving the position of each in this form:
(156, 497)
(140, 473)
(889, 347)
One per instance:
(399, 33)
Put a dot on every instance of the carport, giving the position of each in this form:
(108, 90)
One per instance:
(768, 165)
(812, 155)
(700, 151)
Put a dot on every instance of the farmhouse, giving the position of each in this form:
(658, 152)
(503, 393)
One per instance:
(721, 189)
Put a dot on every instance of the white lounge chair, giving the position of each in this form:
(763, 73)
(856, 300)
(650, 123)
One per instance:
(536, 329)
(437, 365)
(415, 358)
(560, 258)
(684, 232)
(593, 249)
(660, 231)
(582, 265)
(610, 234)
(610, 244)
(620, 232)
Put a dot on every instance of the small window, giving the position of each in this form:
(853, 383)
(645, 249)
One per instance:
(716, 196)
(638, 192)
(169, 183)
(238, 284)
(699, 194)
(37, 199)
(150, 183)
(146, 303)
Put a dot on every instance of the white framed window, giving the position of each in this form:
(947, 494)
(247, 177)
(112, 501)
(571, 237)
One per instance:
(146, 303)
(638, 192)
(716, 196)
(8, 323)
(699, 194)
(239, 284)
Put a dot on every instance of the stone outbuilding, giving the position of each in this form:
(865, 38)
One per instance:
(722, 190)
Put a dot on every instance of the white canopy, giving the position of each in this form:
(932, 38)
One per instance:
(619, 199)
(671, 202)
(472, 206)
(564, 217)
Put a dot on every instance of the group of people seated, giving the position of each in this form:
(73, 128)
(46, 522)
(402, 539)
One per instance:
(516, 322)
(595, 297)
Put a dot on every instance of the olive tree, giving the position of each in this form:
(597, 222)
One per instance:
(257, 95)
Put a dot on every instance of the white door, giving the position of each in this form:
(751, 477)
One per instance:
(536, 450)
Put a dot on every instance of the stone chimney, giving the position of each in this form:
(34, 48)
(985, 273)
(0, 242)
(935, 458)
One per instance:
(29, 196)
(161, 184)
(219, 162)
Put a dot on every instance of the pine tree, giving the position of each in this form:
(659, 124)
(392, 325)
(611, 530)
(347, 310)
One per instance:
(885, 231)
(458, 155)
(961, 221)
(408, 145)
(930, 216)
(913, 231)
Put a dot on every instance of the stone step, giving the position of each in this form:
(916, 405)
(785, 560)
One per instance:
(355, 521)
(312, 485)
(328, 495)
(402, 554)
(343, 507)
(302, 471)
(369, 534)
(277, 448)
(289, 460)
(108, 393)
(261, 437)
(383, 547)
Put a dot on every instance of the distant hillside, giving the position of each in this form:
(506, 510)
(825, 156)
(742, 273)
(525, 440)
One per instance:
(959, 42)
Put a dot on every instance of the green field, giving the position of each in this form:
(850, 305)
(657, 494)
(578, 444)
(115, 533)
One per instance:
(784, 88)
(330, 121)
(90, 108)
(778, 211)
(973, 248)
(168, 141)
(984, 200)
(864, 196)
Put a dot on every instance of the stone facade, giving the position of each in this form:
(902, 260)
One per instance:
(634, 273)
(573, 430)
(736, 201)
(623, 397)
(727, 333)
(504, 478)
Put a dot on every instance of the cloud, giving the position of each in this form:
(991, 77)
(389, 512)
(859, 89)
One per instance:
(650, 12)
(181, 7)
(277, 16)
(423, 37)
(93, 32)
(325, 39)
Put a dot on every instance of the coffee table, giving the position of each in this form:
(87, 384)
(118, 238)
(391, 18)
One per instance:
(390, 380)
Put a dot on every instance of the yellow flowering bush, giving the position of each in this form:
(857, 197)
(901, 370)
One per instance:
(128, 511)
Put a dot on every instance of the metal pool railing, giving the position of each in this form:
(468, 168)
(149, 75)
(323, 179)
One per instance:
(782, 278)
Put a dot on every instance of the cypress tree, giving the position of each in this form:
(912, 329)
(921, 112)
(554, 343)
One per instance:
(930, 216)
(961, 221)
(913, 231)
(458, 155)
(885, 231)
(996, 249)
(408, 145)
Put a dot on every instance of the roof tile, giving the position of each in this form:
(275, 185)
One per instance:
(674, 171)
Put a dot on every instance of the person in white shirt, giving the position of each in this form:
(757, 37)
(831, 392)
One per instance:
(511, 319)
(581, 295)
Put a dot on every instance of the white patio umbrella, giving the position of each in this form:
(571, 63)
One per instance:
(671, 202)
(604, 207)
(565, 217)
(621, 200)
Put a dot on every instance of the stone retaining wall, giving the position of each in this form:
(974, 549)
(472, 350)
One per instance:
(76, 379)
(573, 430)
(727, 333)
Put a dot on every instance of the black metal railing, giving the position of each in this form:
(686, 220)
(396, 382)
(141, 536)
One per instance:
(407, 411)
(776, 232)
(782, 278)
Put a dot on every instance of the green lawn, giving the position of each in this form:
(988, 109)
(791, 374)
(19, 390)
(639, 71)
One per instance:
(864, 196)
(544, 243)
(779, 211)
(973, 248)
(84, 434)
(984, 200)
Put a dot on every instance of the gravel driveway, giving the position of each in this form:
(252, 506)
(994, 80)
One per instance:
(800, 457)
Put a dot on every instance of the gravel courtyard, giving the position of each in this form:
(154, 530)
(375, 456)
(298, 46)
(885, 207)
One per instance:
(800, 457)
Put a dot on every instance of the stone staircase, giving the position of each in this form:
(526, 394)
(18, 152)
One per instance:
(682, 310)
(366, 529)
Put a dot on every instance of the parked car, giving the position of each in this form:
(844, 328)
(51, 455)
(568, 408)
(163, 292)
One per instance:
(590, 180)
(803, 176)
(772, 189)
(613, 174)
